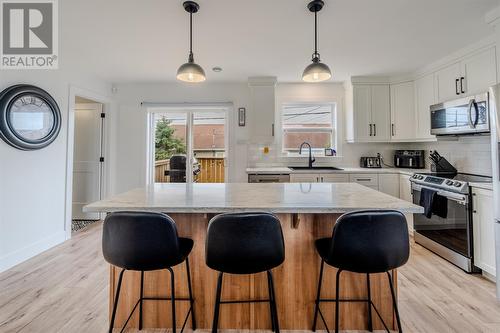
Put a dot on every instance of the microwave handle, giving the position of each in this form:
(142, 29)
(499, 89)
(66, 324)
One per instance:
(472, 103)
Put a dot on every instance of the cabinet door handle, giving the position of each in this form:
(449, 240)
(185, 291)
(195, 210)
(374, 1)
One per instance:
(321, 179)
(272, 129)
(392, 127)
(374, 129)
(363, 180)
(456, 87)
(370, 129)
(462, 85)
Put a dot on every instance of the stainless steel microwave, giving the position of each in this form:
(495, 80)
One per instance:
(469, 115)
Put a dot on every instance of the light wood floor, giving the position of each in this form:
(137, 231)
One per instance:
(66, 290)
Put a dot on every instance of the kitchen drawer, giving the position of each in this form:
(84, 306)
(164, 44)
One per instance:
(366, 179)
(334, 178)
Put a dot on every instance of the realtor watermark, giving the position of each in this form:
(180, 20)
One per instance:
(29, 34)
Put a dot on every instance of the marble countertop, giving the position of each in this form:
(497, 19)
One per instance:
(285, 170)
(240, 197)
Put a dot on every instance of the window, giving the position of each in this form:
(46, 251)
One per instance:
(312, 123)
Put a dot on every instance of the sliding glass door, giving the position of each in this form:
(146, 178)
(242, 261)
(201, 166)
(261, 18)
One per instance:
(189, 145)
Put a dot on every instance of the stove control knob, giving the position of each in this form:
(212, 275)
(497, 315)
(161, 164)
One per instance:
(457, 184)
(449, 182)
(420, 177)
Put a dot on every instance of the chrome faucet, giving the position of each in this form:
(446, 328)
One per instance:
(311, 158)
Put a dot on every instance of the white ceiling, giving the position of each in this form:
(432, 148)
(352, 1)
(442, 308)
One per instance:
(146, 41)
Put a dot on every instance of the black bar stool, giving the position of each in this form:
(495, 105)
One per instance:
(142, 241)
(364, 242)
(245, 243)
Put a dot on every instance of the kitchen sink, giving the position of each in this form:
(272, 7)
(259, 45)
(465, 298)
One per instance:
(314, 168)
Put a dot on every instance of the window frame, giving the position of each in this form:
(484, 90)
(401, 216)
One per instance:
(334, 129)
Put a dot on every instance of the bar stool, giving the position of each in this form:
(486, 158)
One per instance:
(245, 243)
(142, 241)
(364, 242)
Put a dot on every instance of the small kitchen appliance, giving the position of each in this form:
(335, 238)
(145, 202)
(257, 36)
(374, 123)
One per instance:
(370, 162)
(413, 159)
(464, 116)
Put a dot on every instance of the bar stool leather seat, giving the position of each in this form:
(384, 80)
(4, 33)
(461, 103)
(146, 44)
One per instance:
(245, 243)
(145, 241)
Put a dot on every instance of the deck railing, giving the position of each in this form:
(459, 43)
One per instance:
(212, 170)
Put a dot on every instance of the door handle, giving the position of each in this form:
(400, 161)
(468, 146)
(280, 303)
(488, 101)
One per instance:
(456, 87)
(462, 85)
(370, 129)
(472, 103)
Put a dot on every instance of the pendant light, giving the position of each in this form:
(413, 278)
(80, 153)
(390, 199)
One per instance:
(317, 71)
(191, 71)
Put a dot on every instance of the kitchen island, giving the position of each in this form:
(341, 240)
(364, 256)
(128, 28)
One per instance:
(307, 211)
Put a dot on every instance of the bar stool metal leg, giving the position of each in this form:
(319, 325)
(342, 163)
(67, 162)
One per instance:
(191, 300)
(141, 301)
(370, 321)
(271, 297)
(394, 302)
(115, 305)
(217, 303)
(316, 309)
(337, 301)
(172, 282)
(275, 310)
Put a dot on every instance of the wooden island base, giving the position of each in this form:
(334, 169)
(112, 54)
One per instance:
(295, 282)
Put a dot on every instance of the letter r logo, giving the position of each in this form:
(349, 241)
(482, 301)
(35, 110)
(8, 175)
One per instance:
(27, 27)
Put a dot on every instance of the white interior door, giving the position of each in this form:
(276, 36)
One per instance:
(87, 165)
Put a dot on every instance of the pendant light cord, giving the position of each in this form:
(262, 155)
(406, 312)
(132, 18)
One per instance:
(315, 32)
(191, 58)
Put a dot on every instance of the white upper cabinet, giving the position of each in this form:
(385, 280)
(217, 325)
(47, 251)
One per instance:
(479, 72)
(473, 74)
(448, 82)
(369, 114)
(263, 105)
(362, 108)
(425, 96)
(381, 112)
(403, 111)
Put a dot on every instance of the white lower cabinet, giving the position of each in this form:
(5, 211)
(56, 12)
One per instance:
(483, 230)
(304, 178)
(405, 194)
(366, 179)
(318, 178)
(388, 183)
(335, 178)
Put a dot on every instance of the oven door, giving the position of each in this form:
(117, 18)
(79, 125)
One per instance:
(463, 116)
(452, 232)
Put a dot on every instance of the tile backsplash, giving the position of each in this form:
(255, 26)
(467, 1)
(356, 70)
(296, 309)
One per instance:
(467, 154)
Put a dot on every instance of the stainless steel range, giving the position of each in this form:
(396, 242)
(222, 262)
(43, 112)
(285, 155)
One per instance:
(449, 232)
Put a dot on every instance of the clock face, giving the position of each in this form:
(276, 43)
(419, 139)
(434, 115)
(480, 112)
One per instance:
(31, 118)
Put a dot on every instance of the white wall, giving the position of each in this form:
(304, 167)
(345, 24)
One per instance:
(33, 184)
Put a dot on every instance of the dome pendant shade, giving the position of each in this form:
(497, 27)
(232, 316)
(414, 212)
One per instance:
(317, 71)
(191, 71)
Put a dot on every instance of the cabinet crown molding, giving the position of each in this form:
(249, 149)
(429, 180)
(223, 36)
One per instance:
(262, 81)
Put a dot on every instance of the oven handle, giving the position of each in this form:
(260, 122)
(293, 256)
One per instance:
(460, 198)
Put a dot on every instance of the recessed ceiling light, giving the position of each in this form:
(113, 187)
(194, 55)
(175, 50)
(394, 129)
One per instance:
(217, 69)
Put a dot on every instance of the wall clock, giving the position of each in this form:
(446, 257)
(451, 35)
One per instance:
(30, 118)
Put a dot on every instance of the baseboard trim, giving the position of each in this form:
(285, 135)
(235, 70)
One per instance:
(16, 257)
